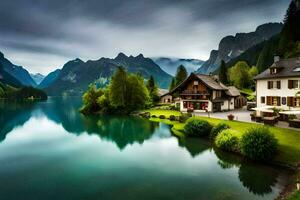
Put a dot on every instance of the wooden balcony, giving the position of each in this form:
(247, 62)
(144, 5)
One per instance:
(194, 92)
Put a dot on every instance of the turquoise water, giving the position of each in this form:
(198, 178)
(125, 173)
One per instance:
(50, 151)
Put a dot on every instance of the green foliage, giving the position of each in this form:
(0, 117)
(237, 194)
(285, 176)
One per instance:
(172, 85)
(172, 117)
(217, 129)
(253, 71)
(239, 75)
(295, 196)
(126, 93)
(290, 35)
(90, 98)
(162, 117)
(181, 75)
(228, 140)
(258, 144)
(153, 90)
(223, 76)
(197, 127)
(183, 118)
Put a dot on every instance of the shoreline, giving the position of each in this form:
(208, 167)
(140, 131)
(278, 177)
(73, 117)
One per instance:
(288, 189)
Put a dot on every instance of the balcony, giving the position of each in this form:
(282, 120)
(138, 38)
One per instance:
(194, 92)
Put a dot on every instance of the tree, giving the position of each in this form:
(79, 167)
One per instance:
(118, 88)
(172, 85)
(181, 75)
(89, 99)
(153, 90)
(253, 71)
(223, 73)
(239, 75)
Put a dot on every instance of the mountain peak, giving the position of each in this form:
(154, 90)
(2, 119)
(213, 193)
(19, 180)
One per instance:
(121, 56)
(140, 56)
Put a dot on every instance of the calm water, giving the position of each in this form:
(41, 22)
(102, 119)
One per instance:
(49, 151)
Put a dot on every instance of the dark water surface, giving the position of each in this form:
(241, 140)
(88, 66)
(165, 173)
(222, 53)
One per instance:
(49, 151)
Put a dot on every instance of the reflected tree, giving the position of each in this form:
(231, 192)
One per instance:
(258, 179)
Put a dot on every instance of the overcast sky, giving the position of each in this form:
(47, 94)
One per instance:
(42, 35)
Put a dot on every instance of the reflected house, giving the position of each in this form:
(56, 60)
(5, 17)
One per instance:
(205, 93)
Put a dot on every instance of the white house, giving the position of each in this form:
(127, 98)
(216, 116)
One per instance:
(278, 85)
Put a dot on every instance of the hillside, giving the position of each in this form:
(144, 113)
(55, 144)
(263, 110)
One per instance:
(233, 46)
(18, 72)
(49, 79)
(76, 75)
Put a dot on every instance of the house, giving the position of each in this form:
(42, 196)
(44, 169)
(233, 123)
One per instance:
(204, 93)
(164, 96)
(278, 85)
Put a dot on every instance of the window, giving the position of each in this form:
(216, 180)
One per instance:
(262, 99)
(270, 84)
(278, 84)
(273, 70)
(218, 94)
(196, 83)
(273, 101)
(294, 84)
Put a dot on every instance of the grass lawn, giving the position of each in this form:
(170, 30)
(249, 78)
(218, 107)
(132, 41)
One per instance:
(295, 196)
(289, 140)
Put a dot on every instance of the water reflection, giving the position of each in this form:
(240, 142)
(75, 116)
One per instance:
(198, 169)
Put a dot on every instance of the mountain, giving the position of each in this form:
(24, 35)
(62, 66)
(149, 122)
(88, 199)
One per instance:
(232, 46)
(170, 65)
(38, 78)
(17, 72)
(49, 79)
(76, 75)
(6, 78)
(286, 44)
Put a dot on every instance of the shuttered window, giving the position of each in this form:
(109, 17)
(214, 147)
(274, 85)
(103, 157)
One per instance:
(273, 101)
(278, 84)
(262, 99)
(270, 84)
(293, 84)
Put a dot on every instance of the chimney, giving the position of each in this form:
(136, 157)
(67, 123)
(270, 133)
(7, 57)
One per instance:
(276, 58)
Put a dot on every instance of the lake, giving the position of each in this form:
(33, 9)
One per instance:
(48, 150)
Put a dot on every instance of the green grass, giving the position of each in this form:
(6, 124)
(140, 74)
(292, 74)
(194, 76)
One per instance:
(166, 113)
(289, 140)
(295, 196)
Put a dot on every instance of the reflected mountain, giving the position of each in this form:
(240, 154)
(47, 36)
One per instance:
(122, 130)
(12, 115)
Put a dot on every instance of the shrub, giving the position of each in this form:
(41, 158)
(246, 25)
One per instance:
(172, 118)
(183, 118)
(154, 116)
(228, 140)
(217, 129)
(197, 127)
(162, 117)
(259, 143)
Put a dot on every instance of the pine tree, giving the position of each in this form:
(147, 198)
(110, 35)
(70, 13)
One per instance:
(223, 73)
(153, 90)
(172, 85)
(181, 75)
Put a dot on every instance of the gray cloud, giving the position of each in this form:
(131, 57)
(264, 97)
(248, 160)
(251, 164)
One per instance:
(90, 29)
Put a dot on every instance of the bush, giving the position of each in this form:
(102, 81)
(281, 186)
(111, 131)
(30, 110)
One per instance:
(162, 117)
(228, 140)
(154, 116)
(197, 127)
(217, 129)
(259, 143)
(172, 118)
(183, 118)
